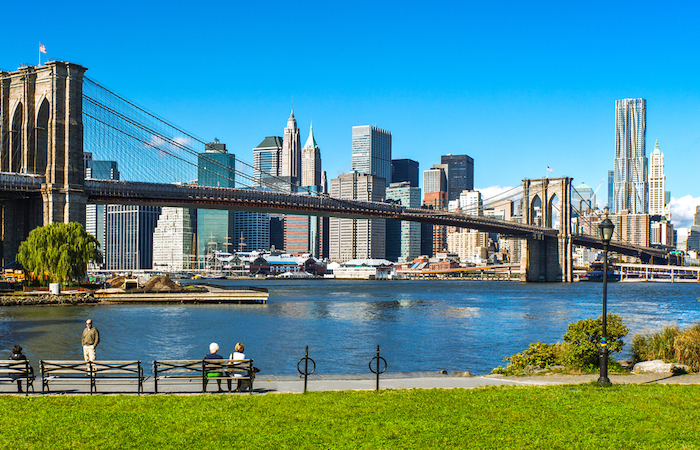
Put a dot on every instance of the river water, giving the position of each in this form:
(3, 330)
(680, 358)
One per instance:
(419, 325)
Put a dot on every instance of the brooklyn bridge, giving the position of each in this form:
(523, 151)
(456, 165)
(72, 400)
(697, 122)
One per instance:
(51, 114)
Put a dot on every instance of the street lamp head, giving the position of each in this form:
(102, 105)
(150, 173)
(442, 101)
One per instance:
(606, 230)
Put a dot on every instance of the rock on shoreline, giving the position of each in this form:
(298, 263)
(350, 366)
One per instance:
(48, 299)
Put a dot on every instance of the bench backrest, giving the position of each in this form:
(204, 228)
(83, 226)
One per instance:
(117, 368)
(229, 366)
(177, 367)
(64, 367)
(15, 367)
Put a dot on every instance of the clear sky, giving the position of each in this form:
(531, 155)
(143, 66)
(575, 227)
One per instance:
(518, 86)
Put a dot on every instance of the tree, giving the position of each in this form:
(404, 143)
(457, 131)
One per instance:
(584, 339)
(59, 252)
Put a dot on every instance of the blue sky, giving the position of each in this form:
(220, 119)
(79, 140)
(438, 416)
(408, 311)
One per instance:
(518, 86)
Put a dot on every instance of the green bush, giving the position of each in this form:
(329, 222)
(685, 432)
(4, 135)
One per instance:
(579, 350)
(538, 354)
(584, 339)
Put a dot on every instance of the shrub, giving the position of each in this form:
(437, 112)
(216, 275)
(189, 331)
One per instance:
(538, 354)
(656, 346)
(584, 338)
(687, 346)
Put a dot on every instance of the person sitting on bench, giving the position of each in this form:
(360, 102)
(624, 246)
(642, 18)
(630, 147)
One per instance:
(17, 355)
(213, 348)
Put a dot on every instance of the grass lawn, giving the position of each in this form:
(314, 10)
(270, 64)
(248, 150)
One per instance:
(576, 416)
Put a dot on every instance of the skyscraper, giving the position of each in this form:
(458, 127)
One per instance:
(403, 239)
(371, 151)
(172, 240)
(630, 185)
(460, 174)
(611, 188)
(357, 238)
(290, 165)
(96, 215)
(129, 236)
(657, 183)
(405, 170)
(215, 167)
(435, 178)
(311, 161)
(266, 159)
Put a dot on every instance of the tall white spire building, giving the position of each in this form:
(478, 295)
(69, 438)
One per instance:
(291, 151)
(630, 179)
(311, 161)
(657, 183)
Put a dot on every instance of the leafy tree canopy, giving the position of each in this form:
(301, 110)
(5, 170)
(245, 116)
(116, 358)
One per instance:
(59, 252)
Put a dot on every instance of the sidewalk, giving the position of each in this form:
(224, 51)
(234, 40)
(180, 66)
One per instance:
(355, 382)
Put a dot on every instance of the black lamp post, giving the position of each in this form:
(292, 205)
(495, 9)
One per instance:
(606, 231)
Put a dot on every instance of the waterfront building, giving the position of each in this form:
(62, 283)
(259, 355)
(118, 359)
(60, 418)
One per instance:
(357, 238)
(470, 203)
(403, 239)
(468, 243)
(215, 167)
(583, 199)
(172, 240)
(96, 215)
(657, 182)
(305, 234)
(365, 269)
(631, 228)
(460, 174)
(251, 231)
(437, 201)
(661, 233)
(311, 161)
(276, 231)
(405, 170)
(129, 236)
(630, 184)
(266, 159)
(290, 164)
(693, 239)
(371, 152)
(435, 178)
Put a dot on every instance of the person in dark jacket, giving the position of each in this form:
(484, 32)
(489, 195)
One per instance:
(17, 355)
(213, 349)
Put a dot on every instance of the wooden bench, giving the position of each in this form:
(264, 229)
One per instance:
(13, 371)
(198, 370)
(231, 370)
(92, 372)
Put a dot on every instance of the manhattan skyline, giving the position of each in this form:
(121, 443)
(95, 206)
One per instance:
(516, 87)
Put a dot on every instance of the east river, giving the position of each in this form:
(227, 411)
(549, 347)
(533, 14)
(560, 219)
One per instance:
(419, 325)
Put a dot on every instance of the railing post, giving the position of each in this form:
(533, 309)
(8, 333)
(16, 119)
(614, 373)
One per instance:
(306, 372)
(377, 370)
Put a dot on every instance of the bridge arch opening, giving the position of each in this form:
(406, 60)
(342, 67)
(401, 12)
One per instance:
(15, 157)
(554, 216)
(37, 158)
(536, 210)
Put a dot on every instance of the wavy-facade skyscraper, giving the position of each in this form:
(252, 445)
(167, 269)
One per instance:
(630, 186)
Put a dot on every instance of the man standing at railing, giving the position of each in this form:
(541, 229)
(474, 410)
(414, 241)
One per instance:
(91, 337)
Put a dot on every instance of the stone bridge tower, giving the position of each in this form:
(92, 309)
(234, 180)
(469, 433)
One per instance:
(41, 133)
(547, 203)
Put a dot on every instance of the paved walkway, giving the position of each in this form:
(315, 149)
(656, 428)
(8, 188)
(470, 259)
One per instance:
(341, 382)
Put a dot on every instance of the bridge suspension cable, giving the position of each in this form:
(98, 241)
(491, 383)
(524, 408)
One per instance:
(117, 127)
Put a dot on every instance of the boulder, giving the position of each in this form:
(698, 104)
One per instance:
(658, 366)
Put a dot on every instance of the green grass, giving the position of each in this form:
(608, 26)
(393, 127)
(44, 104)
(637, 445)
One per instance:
(577, 416)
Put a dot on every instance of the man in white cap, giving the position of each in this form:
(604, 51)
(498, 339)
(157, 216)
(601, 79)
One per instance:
(91, 337)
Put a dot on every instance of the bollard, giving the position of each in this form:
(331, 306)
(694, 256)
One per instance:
(377, 371)
(306, 372)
